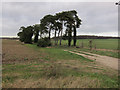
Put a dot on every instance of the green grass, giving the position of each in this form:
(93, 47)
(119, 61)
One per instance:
(15, 72)
(50, 56)
(105, 53)
(100, 43)
(106, 80)
(58, 54)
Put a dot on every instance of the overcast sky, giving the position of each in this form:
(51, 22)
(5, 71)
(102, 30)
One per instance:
(98, 18)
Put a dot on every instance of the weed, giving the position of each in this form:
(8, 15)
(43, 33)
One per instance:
(53, 71)
(25, 58)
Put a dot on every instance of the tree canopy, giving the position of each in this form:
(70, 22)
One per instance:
(62, 23)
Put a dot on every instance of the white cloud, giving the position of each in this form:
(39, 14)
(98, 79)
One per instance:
(97, 18)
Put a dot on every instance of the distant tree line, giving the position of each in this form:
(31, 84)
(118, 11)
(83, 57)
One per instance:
(96, 37)
(90, 37)
(63, 23)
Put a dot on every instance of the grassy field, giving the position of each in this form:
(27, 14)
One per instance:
(100, 43)
(104, 53)
(29, 66)
(108, 47)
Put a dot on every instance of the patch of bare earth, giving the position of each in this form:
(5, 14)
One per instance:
(15, 52)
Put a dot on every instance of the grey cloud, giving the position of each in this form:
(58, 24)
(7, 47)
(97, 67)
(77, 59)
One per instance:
(96, 17)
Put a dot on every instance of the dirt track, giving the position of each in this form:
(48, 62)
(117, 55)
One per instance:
(105, 60)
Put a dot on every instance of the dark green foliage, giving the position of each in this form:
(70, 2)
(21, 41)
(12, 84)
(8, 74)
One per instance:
(36, 32)
(21, 35)
(44, 42)
(36, 38)
(65, 37)
(48, 22)
(53, 23)
(26, 34)
(76, 22)
(71, 21)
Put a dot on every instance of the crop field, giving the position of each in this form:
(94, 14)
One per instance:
(99, 43)
(29, 66)
(107, 47)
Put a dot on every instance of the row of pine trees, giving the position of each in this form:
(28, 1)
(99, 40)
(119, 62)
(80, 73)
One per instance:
(65, 22)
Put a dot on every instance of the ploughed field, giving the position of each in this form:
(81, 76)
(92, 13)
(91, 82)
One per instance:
(29, 66)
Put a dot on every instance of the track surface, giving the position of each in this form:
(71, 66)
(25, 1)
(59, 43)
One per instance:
(105, 60)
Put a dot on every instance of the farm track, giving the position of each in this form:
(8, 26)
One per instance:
(105, 60)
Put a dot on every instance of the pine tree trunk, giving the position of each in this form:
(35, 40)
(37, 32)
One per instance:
(49, 33)
(61, 37)
(58, 36)
(40, 35)
(55, 38)
(69, 37)
(61, 34)
(36, 38)
(74, 37)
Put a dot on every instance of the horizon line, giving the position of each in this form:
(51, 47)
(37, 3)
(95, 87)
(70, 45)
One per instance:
(53, 36)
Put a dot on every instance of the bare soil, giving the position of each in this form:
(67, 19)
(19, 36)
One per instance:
(14, 52)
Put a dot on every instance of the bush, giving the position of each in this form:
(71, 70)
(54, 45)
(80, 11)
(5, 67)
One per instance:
(44, 42)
